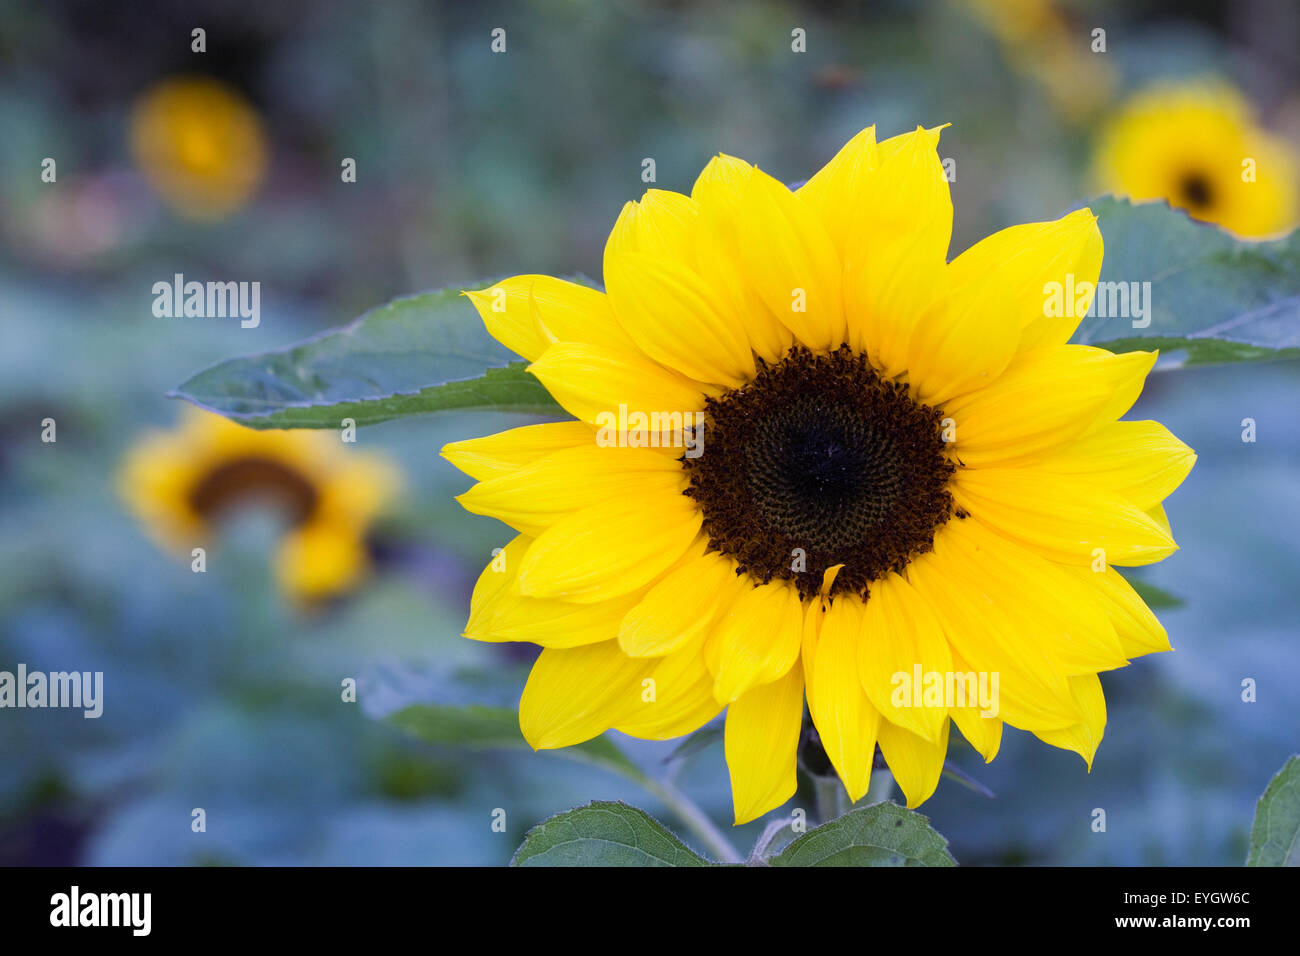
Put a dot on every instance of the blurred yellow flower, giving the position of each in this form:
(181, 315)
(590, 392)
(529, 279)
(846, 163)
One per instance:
(1199, 147)
(200, 145)
(181, 483)
(1039, 43)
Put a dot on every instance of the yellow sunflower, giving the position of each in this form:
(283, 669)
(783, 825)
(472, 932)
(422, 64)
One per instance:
(814, 459)
(200, 145)
(1039, 42)
(181, 483)
(1198, 146)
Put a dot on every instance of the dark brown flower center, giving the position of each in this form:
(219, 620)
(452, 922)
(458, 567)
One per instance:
(817, 462)
(1196, 191)
(241, 481)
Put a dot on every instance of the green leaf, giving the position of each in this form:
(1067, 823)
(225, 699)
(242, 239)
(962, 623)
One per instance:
(497, 728)
(604, 834)
(1275, 837)
(700, 740)
(1213, 297)
(1199, 351)
(954, 773)
(883, 834)
(474, 727)
(1158, 599)
(425, 353)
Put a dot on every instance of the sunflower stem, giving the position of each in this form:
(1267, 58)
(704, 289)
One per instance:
(881, 787)
(758, 855)
(696, 820)
(832, 801)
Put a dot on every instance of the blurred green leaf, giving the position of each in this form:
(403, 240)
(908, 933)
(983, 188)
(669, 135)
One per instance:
(1200, 351)
(700, 740)
(883, 834)
(1218, 298)
(425, 353)
(1158, 599)
(954, 773)
(1275, 837)
(497, 728)
(603, 834)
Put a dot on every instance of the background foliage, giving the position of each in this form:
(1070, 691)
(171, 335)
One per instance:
(471, 165)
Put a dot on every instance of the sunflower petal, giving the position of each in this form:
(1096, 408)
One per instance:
(915, 762)
(678, 699)
(1140, 461)
(528, 313)
(577, 693)
(795, 268)
(1140, 632)
(1044, 401)
(1009, 277)
(902, 636)
(609, 549)
(1062, 517)
(674, 316)
(982, 732)
(995, 290)
(757, 639)
(320, 559)
(493, 586)
(831, 191)
(662, 224)
(592, 383)
(762, 741)
(552, 623)
(536, 496)
(680, 606)
(844, 717)
(718, 191)
(895, 246)
(505, 452)
(1031, 692)
(499, 613)
(1084, 737)
(1064, 614)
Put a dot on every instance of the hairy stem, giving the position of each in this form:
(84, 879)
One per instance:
(832, 801)
(695, 819)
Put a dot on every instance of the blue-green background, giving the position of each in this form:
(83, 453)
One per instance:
(472, 164)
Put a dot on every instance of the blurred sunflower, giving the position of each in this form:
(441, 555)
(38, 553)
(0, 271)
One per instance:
(1198, 146)
(200, 145)
(1038, 42)
(904, 466)
(181, 483)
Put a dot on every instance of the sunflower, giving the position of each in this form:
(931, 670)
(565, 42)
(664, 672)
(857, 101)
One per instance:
(200, 145)
(1198, 146)
(182, 483)
(811, 459)
(1040, 43)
